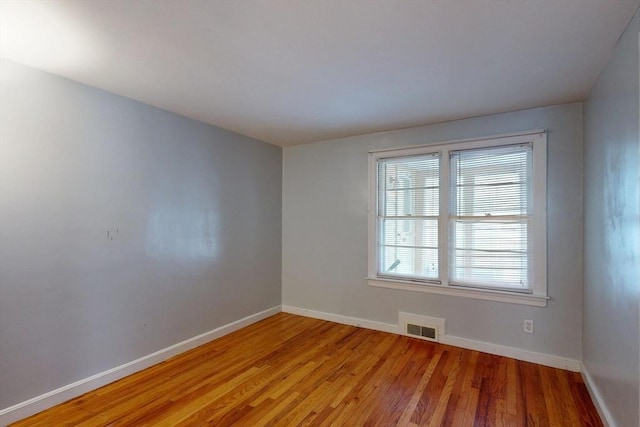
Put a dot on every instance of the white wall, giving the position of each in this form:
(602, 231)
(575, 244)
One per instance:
(197, 211)
(325, 196)
(611, 331)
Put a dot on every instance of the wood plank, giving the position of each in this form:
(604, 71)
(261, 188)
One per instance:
(292, 370)
(456, 409)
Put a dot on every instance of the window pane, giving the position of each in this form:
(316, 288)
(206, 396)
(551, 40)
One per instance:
(412, 262)
(490, 252)
(409, 186)
(495, 181)
(410, 232)
(410, 202)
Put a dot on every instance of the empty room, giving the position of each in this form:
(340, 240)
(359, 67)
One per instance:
(320, 212)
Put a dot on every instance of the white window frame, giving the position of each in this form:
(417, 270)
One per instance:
(537, 292)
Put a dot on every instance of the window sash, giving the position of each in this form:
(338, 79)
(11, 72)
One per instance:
(408, 212)
(490, 207)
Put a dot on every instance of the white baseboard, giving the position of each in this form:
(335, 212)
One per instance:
(485, 347)
(62, 394)
(598, 402)
(345, 320)
(514, 353)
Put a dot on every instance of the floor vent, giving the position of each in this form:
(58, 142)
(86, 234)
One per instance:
(422, 327)
(422, 331)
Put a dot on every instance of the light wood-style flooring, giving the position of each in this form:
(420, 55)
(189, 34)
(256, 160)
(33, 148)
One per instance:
(289, 370)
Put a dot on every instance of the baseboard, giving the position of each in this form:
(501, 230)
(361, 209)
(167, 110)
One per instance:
(596, 397)
(514, 353)
(485, 347)
(344, 320)
(62, 394)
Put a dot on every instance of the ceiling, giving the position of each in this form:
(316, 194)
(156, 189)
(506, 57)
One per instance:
(292, 72)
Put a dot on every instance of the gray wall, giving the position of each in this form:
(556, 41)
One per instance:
(325, 195)
(197, 211)
(611, 335)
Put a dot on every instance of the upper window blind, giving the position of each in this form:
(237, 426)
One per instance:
(490, 196)
(407, 217)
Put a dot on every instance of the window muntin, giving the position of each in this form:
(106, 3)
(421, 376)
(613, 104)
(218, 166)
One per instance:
(497, 221)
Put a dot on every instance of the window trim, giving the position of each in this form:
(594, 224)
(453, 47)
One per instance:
(537, 294)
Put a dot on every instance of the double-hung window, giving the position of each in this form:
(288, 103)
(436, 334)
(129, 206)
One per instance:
(463, 218)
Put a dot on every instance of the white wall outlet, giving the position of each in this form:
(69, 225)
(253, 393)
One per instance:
(528, 326)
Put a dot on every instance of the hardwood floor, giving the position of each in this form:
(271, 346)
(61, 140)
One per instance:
(289, 370)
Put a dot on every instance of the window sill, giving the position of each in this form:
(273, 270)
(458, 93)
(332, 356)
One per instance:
(484, 294)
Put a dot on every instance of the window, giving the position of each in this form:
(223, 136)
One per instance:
(463, 218)
(408, 212)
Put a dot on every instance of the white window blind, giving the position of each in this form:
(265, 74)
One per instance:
(407, 217)
(490, 197)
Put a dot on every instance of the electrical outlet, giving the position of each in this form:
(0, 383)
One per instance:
(528, 326)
